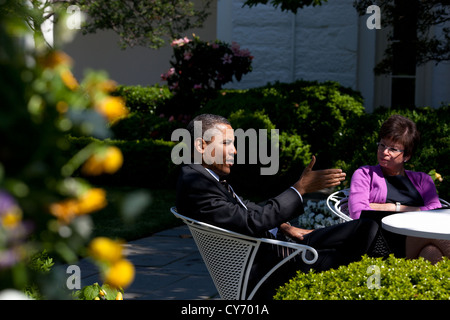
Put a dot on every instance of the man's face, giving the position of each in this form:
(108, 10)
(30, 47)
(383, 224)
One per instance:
(218, 149)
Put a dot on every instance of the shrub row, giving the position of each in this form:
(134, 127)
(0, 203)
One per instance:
(325, 119)
(373, 279)
(146, 163)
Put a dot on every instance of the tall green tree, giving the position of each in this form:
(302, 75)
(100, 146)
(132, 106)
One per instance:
(137, 22)
(143, 22)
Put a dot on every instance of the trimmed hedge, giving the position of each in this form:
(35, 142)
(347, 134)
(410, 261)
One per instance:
(356, 145)
(325, 119)
(146, 163)
(143, 99)
(399, 279)
(316, 112)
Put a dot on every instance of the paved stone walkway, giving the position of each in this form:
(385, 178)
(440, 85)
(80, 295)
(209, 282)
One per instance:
(168, 267)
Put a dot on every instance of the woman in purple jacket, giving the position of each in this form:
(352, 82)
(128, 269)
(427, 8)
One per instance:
(388, 186)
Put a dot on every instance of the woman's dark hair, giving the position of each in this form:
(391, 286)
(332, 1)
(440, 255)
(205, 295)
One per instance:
(401, 130)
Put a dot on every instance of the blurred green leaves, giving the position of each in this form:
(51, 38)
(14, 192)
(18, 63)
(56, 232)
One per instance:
(400, 279)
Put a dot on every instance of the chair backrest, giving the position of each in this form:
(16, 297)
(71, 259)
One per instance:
(337, 202)
(229, 256)
(445, 204)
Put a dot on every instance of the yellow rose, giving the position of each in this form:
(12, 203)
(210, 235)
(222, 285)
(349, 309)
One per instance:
(107, 86)
(119, 296)
(113, 160)
(64, 210)
(69, 79)
(55, 59)
(105, 249)
(108, 161)
(113, 108)
(92, 200)
(120, 274)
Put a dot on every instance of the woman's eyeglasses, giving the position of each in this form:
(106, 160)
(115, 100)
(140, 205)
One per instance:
(391, 151)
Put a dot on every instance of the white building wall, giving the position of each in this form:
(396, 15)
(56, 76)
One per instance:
(328, 42)
(131, 66)
(319, 43)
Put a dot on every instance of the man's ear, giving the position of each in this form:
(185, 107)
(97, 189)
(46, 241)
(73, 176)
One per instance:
(200, 145)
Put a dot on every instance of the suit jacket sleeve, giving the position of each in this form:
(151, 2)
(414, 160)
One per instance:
(203, 198)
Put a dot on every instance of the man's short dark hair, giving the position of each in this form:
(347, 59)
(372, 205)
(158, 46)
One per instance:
(209, 121)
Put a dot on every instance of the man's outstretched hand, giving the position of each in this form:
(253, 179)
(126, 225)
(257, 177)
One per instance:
(311, 181)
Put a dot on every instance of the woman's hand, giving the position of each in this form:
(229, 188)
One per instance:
(392, 207)
(294, 232)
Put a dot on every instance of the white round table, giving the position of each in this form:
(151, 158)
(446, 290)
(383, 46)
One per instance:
(434, 224)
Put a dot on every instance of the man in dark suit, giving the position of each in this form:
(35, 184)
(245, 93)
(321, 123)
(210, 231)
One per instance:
(202, 196)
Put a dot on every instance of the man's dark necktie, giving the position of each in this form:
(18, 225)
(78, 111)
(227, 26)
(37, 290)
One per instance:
(228, 187)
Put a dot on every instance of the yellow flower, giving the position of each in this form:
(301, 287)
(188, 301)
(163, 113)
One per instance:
(55, 59)
(120, 274)
(92, 200)
(64, 210)
(107, 86)
(119, 296)
(113, 160)
(439, 177)
(11, 218)
(105, 249)
(113, 108)
(69, 79)
(108, 161)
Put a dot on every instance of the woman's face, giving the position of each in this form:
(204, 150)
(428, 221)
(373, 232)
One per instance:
(391, 155)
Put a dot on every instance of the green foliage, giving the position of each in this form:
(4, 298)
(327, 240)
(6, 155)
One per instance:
(426, 15)
(294, 155)
(41, 104)
(316, 112)
(199, 69)
(138, 126)
(144, 122)
(143, 23)
(143, 99)
(432, 153)
(146, 162)
(41, 262)
(286, 5)
(400, 279)
(97, 292)
(200, 65)
(324, 119)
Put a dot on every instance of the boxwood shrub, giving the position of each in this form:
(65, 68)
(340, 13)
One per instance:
(315, 111)
(146, 163)
(399, 279)
(143, 99)
(356, 146)
(321, 118)
(294, 155)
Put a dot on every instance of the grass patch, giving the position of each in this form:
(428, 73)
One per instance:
(115, 222)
